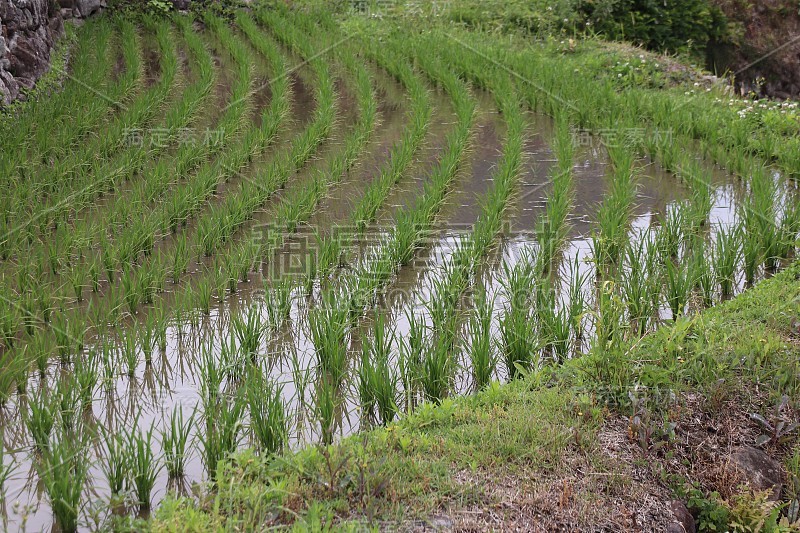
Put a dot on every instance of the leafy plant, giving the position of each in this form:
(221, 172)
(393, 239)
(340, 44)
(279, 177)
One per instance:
(778, 428)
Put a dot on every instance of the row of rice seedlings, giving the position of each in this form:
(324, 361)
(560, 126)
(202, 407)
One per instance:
(51, 146)
(330, 247)
(518, 344)
(129, 163)
(413, 223)
(50, 182)
(89, 51)
(220, 225)
(466, 258)
(553, 226)
(300, 206)
(614, 214)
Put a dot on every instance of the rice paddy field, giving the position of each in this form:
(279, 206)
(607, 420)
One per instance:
(274, 229)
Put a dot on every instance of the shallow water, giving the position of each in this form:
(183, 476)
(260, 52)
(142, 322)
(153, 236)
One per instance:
(172, 380)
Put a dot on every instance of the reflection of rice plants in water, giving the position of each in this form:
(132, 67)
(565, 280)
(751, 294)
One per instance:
(279, 269)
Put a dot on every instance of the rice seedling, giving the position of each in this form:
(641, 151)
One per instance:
(203, 292)
(131, 288)
(555, 324)
(147, 332)
(249, 331)
(9, 322)
(268, 421)
(77, 279)
(128, 352)
(789, 226)
(412, 347)
(378, 382)
(672, 233)
(577, 300)
(64, 470)
(678, 286)
(94, 274)
(329, 325)
(41, 418)
(223, 427)
(327, 402)
(482, 350)
(41, 348)
(609, 323)
(28, 313)
(67, 396)
(87, 371)
(180, 258)
(751, 256)
(174, 440)
(278, 299)
(726, 255)
(143, 464)
(437, 371)
(114, 461)
(518, 344)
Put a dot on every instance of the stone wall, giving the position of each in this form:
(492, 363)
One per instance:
(28, 32)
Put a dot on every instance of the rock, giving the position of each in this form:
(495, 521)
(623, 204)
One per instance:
(30, 57)
(684, 521)
(28, 31)
(87, 8)
(756, 468)
(8, 87)
(66, 12)
(181, 5)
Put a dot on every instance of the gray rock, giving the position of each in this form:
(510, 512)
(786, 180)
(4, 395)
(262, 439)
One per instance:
(88, 8)
(756, 468)
(10, 88)
(5, 94)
